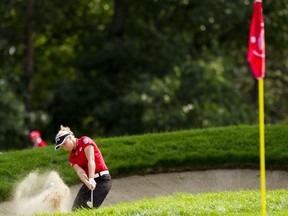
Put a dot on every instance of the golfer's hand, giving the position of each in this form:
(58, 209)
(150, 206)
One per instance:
(92, 183)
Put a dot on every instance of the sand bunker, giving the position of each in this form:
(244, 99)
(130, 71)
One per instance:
(38, 193)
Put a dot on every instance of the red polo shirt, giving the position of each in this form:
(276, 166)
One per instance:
(39, 143)
(78, 156)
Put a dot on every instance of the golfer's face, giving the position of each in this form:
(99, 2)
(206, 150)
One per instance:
(68, 144)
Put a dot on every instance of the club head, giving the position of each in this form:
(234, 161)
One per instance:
(90, 204)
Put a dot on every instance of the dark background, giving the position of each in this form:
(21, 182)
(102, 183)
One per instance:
(110, 68)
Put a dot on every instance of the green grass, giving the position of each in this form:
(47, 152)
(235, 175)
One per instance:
(242, 203)
(198, 149)
(195, 149)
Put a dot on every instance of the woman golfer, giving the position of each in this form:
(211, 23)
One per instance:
(87, 161)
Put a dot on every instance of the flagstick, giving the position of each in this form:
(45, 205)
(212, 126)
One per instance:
(262, 143)
(256, 58)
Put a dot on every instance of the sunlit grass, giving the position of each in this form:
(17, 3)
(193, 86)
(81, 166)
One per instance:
(244, 203)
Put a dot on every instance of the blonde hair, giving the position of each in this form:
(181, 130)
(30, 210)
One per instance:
(64, 130)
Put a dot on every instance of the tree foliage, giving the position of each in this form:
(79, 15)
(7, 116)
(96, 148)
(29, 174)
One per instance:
(119, 67)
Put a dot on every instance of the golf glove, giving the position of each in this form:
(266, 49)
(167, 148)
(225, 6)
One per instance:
(92, 182)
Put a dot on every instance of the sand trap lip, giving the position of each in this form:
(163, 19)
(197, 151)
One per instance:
(132, 188)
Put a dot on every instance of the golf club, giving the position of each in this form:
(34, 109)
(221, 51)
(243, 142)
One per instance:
(90, 203)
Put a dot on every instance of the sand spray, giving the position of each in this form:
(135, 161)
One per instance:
(39, 193)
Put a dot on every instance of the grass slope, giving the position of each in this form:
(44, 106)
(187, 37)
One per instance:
(221, 147)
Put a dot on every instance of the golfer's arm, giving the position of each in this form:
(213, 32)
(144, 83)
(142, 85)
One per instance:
(89, 152)
(81, 173)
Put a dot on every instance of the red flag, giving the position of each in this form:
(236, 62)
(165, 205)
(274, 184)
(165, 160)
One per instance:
(256, 49)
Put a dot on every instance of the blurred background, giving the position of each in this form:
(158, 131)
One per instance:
(111, 68)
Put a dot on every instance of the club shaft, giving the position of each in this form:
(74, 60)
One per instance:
(92, 197)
